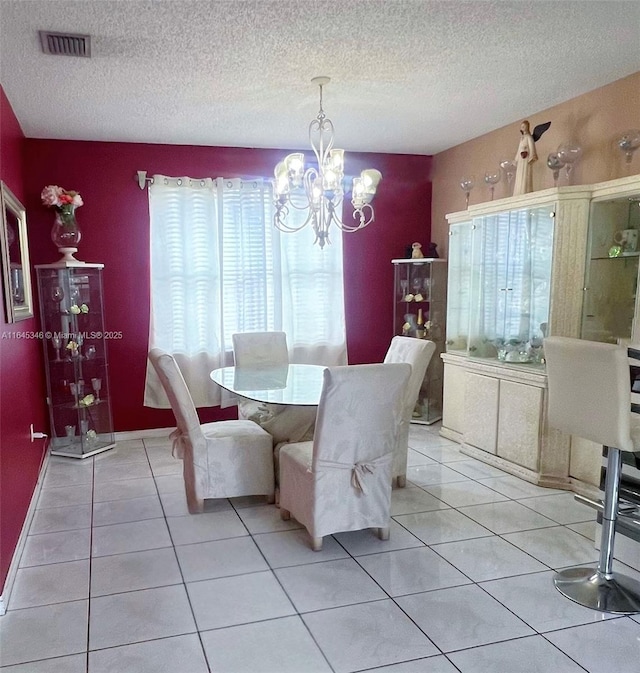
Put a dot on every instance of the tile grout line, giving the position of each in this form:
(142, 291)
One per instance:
(175, 554)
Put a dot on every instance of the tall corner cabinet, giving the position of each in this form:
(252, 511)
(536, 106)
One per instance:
(75, 357)
(520, 269)
(420, 287)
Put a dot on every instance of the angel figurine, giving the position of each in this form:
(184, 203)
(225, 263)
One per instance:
(526, 155)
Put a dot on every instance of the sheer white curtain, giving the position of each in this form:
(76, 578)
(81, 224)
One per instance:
(218, 266)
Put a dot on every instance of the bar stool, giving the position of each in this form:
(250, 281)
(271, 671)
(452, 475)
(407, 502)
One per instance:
(589, 397)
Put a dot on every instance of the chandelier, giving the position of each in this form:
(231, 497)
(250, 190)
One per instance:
(320, 190)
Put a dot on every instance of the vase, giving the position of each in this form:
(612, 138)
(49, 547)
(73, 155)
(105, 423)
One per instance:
(66, 233)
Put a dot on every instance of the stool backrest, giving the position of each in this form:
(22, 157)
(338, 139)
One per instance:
(589, 393)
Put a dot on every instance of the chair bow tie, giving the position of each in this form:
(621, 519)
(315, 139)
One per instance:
(179, 443)
(360, 471)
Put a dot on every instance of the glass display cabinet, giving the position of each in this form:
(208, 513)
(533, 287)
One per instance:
(75, 356)
(420, 287)
(611, 278)
(517, 270)
(502, 286)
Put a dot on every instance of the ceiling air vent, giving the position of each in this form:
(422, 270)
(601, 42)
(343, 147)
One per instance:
(65, 44)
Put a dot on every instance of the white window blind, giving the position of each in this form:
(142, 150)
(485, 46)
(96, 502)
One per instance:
(218, 266)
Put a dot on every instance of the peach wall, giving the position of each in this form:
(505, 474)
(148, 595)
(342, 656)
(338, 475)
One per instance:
(593, 120)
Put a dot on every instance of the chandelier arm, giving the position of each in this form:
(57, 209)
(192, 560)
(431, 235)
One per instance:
(366, 215)
(279, 219)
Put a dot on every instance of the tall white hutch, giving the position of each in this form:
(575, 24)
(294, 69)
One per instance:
(553, 262)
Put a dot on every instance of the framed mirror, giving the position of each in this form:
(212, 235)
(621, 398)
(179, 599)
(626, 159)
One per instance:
(14, 249)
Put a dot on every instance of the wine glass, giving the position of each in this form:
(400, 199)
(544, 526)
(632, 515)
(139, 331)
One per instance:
(509, 168)
(56, 342)
(555, 163)
(628, 143)
(96, 384)
(74, 296)
(467, 184)
(569, 153)
(57, 293)
(492, 178)
(404, 284)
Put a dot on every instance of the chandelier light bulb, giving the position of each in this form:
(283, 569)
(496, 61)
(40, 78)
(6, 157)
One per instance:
(321, 188)
(371, 178)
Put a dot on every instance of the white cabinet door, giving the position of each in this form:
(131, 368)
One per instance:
(519, 411)
(453, 409)
(481, 411)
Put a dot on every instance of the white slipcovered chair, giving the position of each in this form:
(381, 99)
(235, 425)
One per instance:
(284, 423)
(417, 353)
(223, 459)
(590, 397)
(341, 481)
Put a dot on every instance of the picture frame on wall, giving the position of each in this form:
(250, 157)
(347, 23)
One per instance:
(14, 251)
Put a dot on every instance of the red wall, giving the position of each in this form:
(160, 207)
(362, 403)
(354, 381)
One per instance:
(22, 397)
(115, 226)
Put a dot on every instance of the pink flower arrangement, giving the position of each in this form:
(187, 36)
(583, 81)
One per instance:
(56, 197)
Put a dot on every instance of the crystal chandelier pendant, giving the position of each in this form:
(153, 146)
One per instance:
(321, 189)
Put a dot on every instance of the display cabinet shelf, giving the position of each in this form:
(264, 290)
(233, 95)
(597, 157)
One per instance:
(75, 356)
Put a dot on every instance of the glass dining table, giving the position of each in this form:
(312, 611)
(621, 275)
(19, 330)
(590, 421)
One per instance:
(293, 384)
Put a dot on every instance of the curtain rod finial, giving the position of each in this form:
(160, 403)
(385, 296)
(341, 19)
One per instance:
(142, 179)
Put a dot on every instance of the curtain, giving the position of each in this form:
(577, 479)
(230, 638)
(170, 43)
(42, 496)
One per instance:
(218, 266)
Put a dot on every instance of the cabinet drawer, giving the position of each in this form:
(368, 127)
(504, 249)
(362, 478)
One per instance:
(481, 411)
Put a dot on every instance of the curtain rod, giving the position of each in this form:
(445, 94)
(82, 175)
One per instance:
(142, 179)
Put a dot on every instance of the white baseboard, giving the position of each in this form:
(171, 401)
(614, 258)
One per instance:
(13, 568)
(143, 434)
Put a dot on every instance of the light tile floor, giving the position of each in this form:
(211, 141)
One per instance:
(116, 576)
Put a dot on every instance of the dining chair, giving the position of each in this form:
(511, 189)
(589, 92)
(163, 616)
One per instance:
(417, 353)
(255, 349)
(589, 396)
(284, 423)
(223, 459)
(341, 481)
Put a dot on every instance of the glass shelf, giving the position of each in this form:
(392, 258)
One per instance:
(622, 255)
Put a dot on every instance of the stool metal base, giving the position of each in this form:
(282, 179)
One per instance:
(620, 594)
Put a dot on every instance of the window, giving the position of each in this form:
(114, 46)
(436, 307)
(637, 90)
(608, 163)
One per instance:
(218, 266)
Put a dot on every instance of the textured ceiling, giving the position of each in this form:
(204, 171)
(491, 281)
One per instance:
(409, 76)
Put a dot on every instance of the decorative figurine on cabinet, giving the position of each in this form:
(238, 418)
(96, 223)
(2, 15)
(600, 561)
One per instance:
(416, 252)
(526, 155)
